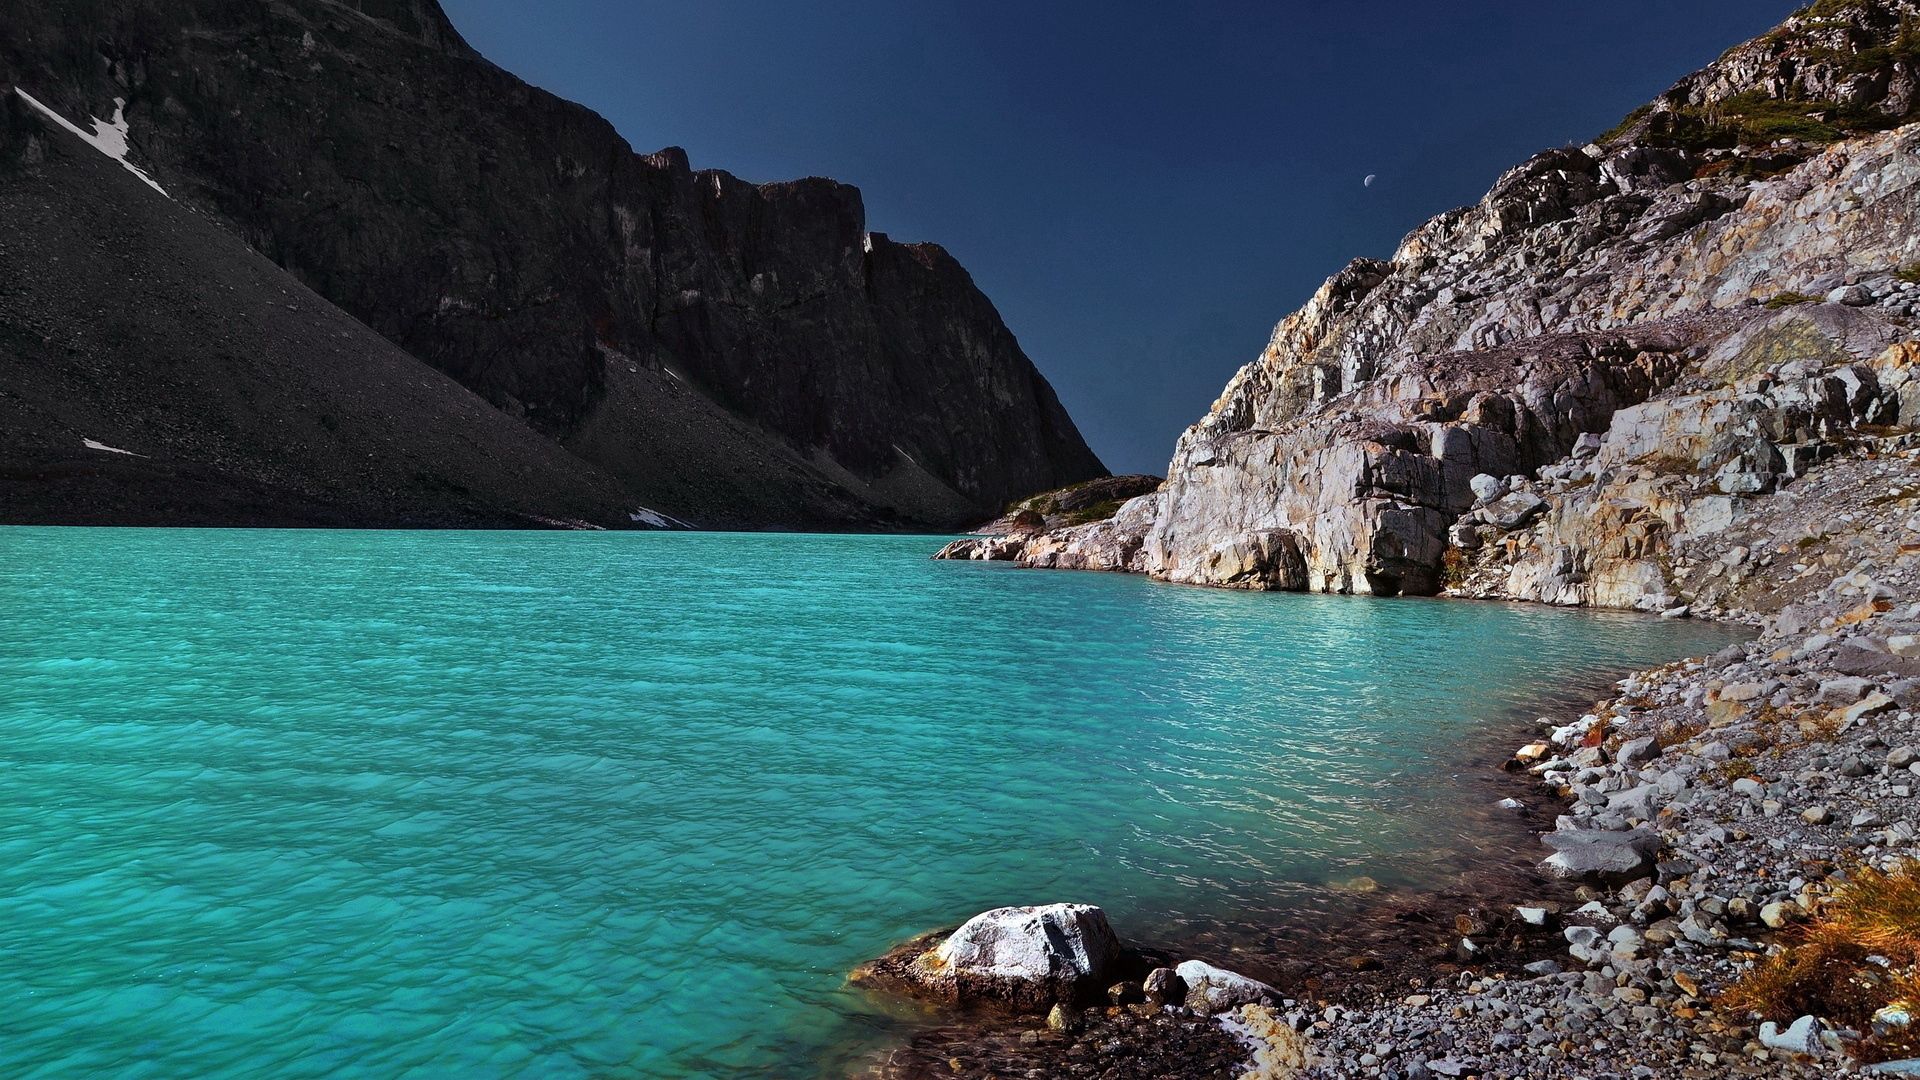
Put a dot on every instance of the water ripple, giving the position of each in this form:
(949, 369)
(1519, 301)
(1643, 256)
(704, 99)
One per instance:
(382, 804)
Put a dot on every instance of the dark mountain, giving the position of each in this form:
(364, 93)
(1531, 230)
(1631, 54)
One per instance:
(153, 370)
(736, 354)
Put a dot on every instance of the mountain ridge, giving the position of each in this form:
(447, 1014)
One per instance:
(1762, 212)
(624, 305)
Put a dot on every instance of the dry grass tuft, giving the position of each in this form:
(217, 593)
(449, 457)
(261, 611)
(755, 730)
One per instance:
(1860, 954)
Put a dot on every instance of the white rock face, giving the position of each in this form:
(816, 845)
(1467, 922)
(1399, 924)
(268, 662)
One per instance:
(1602, 312)
(1028, 957)
(1212, 990)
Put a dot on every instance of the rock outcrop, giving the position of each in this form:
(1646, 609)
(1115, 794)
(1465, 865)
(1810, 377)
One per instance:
(1670, 480)
(1603, 318)
(1079, 504)
(734, 354)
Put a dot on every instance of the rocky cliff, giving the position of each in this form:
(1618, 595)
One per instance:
(154, 371)
(1621, 344)
(736, 354)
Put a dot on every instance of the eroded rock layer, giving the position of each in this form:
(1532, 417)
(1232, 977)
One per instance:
(1702, 299)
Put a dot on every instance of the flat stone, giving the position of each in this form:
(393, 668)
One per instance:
(1601, 854)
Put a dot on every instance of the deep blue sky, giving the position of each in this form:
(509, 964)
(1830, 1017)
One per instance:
(1142, 188)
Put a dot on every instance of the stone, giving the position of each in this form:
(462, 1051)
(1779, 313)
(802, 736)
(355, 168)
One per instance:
(1212, 990)
(1816, 815)
(1779, 913)
(1024, 957)
(1636, 803)
(1850, 295)
(1487, 488)
(1025, 522)
(1062, 1020)
(1533, 752)
(1163, 986)
(1637, 751)
(1513, 510)
(1800, 1037)
(1866, 706)
(1901, 757)
(1844, 690)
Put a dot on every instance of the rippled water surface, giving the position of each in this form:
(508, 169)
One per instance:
(518, 804)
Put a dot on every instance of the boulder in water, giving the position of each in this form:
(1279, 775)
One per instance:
(1025, 958)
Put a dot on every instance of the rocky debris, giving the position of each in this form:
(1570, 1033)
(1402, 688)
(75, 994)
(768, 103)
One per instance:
(1112, 544)
(1761, 784)
(1050, 960)
(736, 354)
(1133, 1041)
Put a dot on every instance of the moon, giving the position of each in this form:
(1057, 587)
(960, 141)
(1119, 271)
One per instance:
(1368, 182)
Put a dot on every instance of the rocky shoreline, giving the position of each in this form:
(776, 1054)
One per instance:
(1709, 809)
(1676, 370)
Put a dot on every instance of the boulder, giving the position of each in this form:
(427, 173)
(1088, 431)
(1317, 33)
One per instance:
(1164, 986)
(1512, 511)
(1024, 958)
(1601, 855)
(1026, 523)
(1212, 990)
(1800, 1037)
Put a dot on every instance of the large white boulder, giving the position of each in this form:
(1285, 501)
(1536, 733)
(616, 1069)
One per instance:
(1025, 957)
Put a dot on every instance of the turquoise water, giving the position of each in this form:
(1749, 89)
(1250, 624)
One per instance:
(527, 804)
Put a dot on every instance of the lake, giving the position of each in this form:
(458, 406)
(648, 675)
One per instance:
(565, 804)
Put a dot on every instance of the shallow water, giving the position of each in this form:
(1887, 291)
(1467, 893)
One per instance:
(495, 804)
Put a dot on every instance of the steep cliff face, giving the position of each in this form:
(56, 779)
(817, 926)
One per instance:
(1502, 337)
(743, 354)
(154, 371)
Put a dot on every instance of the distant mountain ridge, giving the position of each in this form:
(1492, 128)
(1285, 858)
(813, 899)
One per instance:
(731, 354)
